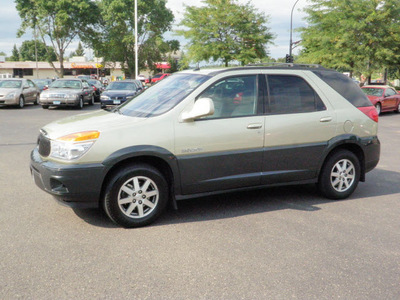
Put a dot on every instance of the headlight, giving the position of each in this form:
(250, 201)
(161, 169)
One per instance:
(44, 96)
(10, 95)
(104, 97)
(71, 96)
(129, 97)
(73, 146)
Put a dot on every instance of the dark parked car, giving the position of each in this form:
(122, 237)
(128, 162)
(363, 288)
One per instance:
(67, 92)
(98, 88)
(118, 92)
(42, 84)
(384, 98)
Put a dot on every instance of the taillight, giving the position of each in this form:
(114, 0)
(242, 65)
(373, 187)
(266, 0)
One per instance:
(370, 112)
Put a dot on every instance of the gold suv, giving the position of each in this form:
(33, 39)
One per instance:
(211, 131)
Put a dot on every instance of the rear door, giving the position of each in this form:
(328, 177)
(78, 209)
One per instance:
(298, 125)
(390, 99)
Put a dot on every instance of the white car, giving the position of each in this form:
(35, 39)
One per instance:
(141, 77)
(211, 131)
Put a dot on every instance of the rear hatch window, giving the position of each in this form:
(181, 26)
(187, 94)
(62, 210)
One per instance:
(345, 87)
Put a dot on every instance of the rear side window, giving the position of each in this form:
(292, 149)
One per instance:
(344, 86)
(291, 94)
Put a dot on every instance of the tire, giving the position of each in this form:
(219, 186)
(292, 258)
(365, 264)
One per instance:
(21, 102)
(340, 175)
(378, 107)
(80, 103)
(135, 196)
(398, 107)
(45, 106)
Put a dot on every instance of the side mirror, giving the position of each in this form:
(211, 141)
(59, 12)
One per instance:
(201, 108)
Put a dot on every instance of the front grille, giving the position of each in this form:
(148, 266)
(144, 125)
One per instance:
(60, 96)
(117, 98)
(44, 145)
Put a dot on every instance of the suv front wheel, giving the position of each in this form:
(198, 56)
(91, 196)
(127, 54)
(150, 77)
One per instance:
(136, 195)
(340, 175)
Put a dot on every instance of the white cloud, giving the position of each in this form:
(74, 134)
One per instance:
(277, 10)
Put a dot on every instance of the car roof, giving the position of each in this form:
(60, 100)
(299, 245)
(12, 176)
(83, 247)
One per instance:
(266, 66)
(376, 86)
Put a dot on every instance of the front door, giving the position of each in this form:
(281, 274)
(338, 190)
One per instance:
(225, 150)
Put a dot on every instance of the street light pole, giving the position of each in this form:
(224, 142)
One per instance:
(136, 42)
(291, 30)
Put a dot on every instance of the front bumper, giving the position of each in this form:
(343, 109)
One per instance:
(59, 102)
(13, 101)
(76, 186)
(114, 102)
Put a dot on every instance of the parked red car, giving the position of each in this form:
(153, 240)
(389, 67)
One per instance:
(385, 98)
(157, 77)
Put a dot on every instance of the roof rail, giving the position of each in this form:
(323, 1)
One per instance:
(288, 65)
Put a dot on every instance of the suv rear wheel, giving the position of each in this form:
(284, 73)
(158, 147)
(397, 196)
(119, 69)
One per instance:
(340, 175)
(136, 195)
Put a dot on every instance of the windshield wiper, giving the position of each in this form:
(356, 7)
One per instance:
(117, 109)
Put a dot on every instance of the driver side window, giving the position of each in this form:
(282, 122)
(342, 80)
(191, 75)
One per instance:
(233, 97)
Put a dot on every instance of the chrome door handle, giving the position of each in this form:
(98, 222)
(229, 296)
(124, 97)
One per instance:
(254, 126)
(325, 119)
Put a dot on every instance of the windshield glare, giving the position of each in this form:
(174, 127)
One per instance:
(66, 84)
(10, 84)
(163, 96)
(121, 86)
(373, 91)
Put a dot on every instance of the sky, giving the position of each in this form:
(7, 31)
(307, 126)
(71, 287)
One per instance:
(277, 10)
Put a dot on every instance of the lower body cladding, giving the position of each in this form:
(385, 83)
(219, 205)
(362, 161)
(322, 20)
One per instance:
(80, 185)
(77, 186)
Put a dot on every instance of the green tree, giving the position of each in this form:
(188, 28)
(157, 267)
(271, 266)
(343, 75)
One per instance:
(116, 39)
(227, 30)
(59, 21)
(27, 51)
(79, 51)
(359, 36)
(14, 54)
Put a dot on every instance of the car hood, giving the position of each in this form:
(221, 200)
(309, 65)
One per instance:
(5, 91)
(61, 91)
(113, 93)
(100, 120)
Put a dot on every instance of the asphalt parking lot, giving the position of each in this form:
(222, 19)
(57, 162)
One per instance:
(279, 243)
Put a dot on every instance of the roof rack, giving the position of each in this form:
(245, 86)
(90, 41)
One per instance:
(288, 65)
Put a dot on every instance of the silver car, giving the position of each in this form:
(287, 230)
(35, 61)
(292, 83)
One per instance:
(67, 92)
(18, 91)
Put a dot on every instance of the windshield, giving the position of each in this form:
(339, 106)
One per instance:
(373, 91)
(163, 96)
(10, 84)
(115, 85)
(66, 84)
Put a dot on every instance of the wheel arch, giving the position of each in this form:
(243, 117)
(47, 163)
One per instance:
(157, 157)
(348, 142)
